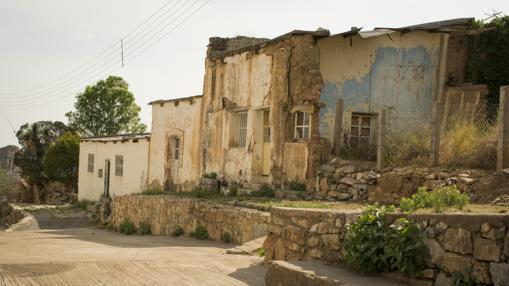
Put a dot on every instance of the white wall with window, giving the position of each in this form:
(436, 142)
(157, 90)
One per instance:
(127, 157)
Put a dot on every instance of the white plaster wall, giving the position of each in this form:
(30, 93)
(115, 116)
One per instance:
(183, 121)
(91, 187)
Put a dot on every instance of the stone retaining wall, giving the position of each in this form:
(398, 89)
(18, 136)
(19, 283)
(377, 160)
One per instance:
(476, 245)
(165, 213)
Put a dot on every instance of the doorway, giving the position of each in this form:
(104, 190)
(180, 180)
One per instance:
(266, 143)
(107, 178)
(175, 164)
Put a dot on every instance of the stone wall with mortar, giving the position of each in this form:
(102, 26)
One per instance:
(476, 245)
(164, 214)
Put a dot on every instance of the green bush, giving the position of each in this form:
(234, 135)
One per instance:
(200, 232)
(211, 175)
(153, 190)
(296, 186)
(127, 227)
(261, 252)
(178, 231)
(264, 191)
(83, 204)
(226, 237)
(144, 228)
(373, 245)
(232, 190)
(438, 199)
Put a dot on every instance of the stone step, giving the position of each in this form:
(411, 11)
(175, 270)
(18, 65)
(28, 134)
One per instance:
(248, 248)
(309, 273)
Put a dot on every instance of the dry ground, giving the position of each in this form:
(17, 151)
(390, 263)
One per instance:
(61, 248)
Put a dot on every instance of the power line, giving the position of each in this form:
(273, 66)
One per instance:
(135, 56)
(7, 118)
(53, 91)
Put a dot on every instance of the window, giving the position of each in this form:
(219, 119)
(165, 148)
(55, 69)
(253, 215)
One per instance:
(302, 126)
(360, 129)
(177, 148)
(119, 165)
(91, 163)
(100, 173)
(266, 126)
(242, 120)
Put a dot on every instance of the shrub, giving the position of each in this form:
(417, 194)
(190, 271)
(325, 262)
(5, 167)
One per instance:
(296, 186)
(200, 232)
(211, 175)
(226, 237)
(127, 227)
(233, 190)
(83, 204)
(264, 191)
(261, 252)
(373, 245)
(200, 192)
(178, 231)
(144, 228)
(438, 199)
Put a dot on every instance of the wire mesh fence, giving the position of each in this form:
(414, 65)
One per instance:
(468, 136)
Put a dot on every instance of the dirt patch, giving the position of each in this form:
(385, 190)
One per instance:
(36, 269)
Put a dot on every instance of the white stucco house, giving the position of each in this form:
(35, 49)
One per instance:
(113, 165)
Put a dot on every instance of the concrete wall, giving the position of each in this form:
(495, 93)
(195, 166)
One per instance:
(179, 118)
(134, 179)
(165, 213)
(476, 245)
(397, 72)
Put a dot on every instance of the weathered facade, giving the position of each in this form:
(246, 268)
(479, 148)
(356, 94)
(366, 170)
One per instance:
(114, 165)
(260, 108)
(175, 157)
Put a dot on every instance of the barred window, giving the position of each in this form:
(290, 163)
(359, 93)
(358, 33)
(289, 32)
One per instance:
(119, 165)
(302, 126)
(266, 126)
(91, 163)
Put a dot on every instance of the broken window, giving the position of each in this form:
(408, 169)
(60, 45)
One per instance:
(119, 165)
(302, 126)
(360, 129)
(266, 126)
(91, 163)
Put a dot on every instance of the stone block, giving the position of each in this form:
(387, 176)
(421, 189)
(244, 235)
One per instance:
(331, 241)
(506, 245)
(481, 272)
(486, 250)
(457, 263)
(436, 252)
(458, 240)
(499, 273)
(313, 241)
(295, 234)
(443, 280)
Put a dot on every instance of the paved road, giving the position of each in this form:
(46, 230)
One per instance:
(66, 251)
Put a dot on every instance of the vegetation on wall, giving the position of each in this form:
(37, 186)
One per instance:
(488, 59)
(374, 245)
(106, 108)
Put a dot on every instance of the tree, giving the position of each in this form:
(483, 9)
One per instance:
(35, 139)
(61, 160)
(106, 108)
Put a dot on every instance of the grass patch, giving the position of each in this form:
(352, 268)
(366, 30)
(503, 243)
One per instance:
(211, 175)
(127, 227)
(83, 204)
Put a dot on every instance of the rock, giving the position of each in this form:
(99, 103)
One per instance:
(467, 181)
(324, 185)
(457, 263)
(331, 241)
(458, 240)
(348, 181)
(499, 273)
(506, 245)
(436, 251)
(431, 176)
(428, 273)
(313, 241)
(481, 272)
(486, 250)
(328, 168)
(348, 169)
(344, 196)
(441, 226)
(443, 280)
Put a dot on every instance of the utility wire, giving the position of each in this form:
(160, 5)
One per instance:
(7, 118)
(129, 60)
(53, 91)
(91, 60)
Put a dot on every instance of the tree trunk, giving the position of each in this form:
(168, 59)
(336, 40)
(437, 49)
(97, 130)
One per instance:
(35, 194)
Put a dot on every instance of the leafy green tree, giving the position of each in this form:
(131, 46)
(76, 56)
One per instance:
(106, 108)
(35, 139)
(61, 160)
(488, 61)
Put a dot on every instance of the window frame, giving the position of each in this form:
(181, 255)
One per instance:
(302, 126)
(119, 165)
(266, 126)
(91, 163)
(359, 137)
(241, 118)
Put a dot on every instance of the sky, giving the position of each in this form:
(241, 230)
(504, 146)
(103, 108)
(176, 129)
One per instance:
(50, 50)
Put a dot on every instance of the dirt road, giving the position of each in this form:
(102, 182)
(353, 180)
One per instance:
(65, 250)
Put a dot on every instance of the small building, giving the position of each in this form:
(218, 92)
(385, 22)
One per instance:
(175, 157)
(113, 165)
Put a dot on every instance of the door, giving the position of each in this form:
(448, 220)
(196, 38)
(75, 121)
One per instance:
(176, 160)
(266, 143)
(107, 178)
